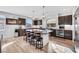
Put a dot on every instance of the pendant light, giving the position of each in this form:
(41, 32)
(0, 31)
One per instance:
(33, 13)
(43, 11)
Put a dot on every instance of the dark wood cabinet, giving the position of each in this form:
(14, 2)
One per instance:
(68, 20)
(53, 33)
(68, 34)
(21, 32)
(11, 21)
(60, 20)
(40, 22)
(21, 21)
(37, 22)
(65, 20)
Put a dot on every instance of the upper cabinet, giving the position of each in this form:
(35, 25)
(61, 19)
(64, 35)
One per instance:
(37, 22)
(40, 22)
(21, 21)
(65, 20)
(61, 20)
(11, 21)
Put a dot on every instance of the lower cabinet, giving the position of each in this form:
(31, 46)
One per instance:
(21, 32)
(66, 34)
(53, 33)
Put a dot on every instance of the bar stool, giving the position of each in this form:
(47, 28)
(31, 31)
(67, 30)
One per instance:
(39, 42)
(32, 38)
(28, 36)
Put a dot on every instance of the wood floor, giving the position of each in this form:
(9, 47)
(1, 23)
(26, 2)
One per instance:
(19, 45)
(63, 42)
(77, 46)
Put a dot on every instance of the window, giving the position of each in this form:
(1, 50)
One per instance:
(2, 22)
(28, 22)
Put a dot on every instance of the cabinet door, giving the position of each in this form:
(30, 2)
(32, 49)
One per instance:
(65, 20)
(68, 34)
(21, 21)
(53, 33)
(35, 22)
(68, 20)
(40, 22)
(61, 20)
(21, 32)
(10, 21)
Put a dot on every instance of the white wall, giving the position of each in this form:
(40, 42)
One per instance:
(2, 23)
(9, 31)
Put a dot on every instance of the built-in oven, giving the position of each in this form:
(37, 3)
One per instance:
(60, 31)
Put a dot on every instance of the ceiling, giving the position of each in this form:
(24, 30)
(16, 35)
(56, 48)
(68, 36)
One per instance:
(51, 11)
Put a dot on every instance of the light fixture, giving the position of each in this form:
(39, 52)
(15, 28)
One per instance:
(43, 10)
(33, 13)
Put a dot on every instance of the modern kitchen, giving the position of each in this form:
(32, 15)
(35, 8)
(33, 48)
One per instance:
(39, 29)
